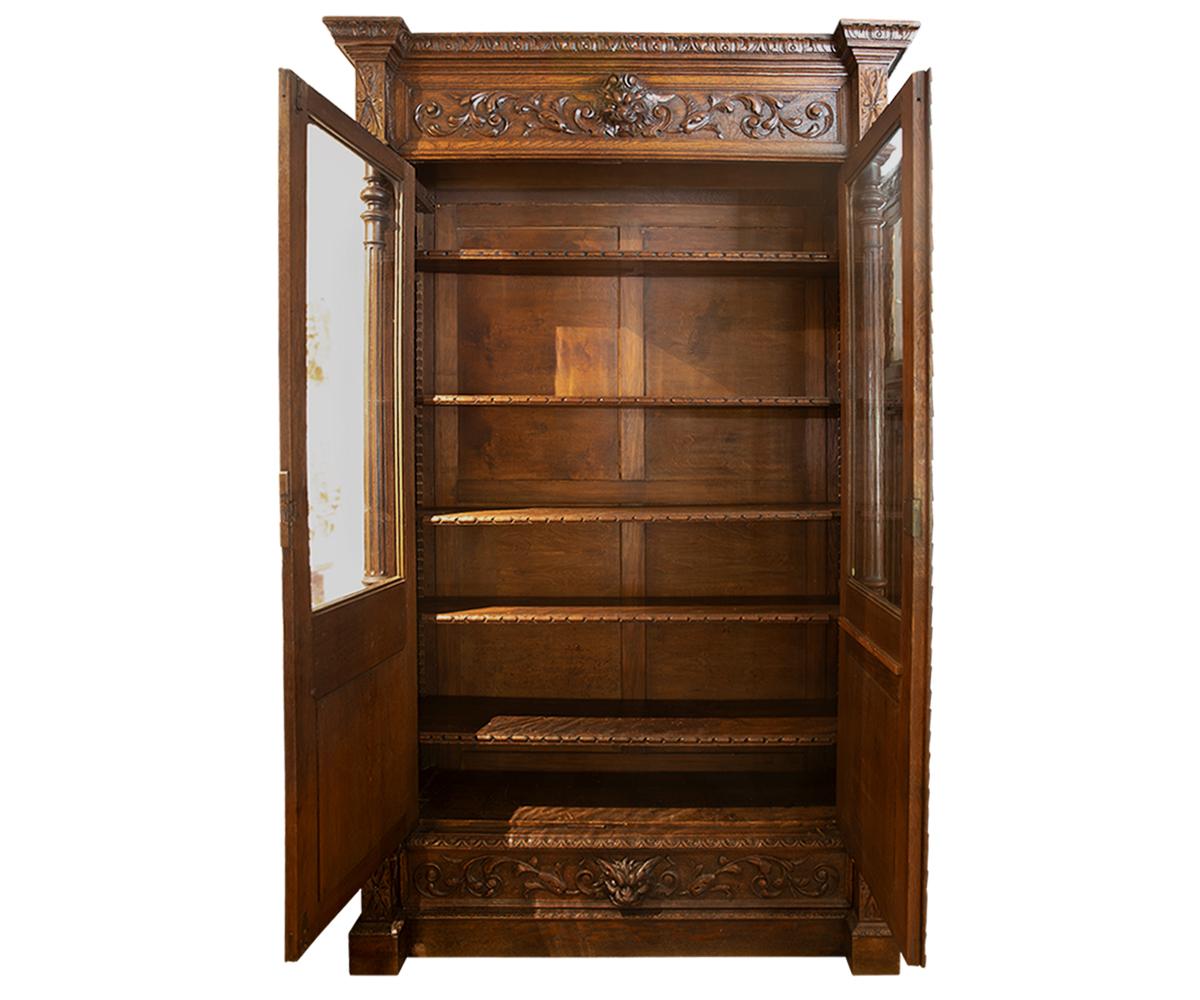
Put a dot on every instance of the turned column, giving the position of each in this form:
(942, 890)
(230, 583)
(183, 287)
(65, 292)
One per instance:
(870, 323)
(379, 467)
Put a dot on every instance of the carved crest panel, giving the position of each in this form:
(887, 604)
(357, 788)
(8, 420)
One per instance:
(625, 107)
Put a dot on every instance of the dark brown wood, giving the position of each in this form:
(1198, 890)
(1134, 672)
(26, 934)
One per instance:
(349, 667)
(883, 680)
(379, 939)
(627, 262)
(661, 705)
(703, 933)
(872, 950)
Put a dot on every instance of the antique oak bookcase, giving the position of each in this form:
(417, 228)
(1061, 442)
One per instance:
(605, 495)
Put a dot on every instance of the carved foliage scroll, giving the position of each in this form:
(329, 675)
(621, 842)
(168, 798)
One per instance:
(624, 107)
(627, 882)
(872, 95)
(381, 894)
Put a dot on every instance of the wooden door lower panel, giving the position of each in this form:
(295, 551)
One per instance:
(871, 775)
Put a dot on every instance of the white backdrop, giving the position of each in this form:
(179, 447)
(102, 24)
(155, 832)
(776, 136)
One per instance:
(141, 709)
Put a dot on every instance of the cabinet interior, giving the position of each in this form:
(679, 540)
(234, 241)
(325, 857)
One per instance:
(627, 469)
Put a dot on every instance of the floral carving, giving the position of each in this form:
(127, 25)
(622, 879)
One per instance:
(380, 894)
(625, 107)
(370, 99)
(872, 95)
(627, 881)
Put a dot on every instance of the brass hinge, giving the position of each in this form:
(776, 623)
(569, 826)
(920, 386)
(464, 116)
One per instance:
(287, 509)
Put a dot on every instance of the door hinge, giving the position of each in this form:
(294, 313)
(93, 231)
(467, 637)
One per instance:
(916, 516)
(287, 509)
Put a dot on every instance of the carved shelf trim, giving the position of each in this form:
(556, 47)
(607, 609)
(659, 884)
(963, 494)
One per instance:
(731, 402)
(614, 515)
(767, 263)
(669, 732)
(555, 615)
(818, 837)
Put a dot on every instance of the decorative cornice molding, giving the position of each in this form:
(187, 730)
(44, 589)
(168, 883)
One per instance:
(350, 30)
(873, 41)
(886, 33)
(621, 44)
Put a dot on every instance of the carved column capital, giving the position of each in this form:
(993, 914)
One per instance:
(376, 46)
(870, 51)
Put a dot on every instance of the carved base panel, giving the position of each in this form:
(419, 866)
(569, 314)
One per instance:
(584, 869)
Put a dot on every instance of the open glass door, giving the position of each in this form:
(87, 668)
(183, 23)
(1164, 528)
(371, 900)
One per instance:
(346, 244)
(883, 673)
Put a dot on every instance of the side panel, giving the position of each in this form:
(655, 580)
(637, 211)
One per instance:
(883, 676)
(350, 697)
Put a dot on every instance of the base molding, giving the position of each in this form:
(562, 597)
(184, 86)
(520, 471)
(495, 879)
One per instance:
(871, 950)
(696, 934)
(378, 947)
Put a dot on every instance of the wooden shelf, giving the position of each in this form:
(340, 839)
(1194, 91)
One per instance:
(732, 402)
(776, 611)
(628, 262)
(610, 515)
(513, 723)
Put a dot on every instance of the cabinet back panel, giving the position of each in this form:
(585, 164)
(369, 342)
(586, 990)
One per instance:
(809, 232)
(807, 765)
(719, 454)
(735, 336)
(698, 661)
(536, 237)
(545, 560)
(520, 443)
(734, 445)
(765, 559)
(541, 335)
(726, 660)
(529, 661)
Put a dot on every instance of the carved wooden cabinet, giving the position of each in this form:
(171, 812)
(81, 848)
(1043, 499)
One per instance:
(605, 495)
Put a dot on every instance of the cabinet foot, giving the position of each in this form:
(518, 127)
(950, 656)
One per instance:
(377, 947)
(870, 950)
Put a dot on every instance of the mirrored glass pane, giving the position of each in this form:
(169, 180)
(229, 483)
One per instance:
(350, 330)
(875, 348)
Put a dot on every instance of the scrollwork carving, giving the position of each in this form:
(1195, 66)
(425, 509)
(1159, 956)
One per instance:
(626, 881)
(624, 107)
